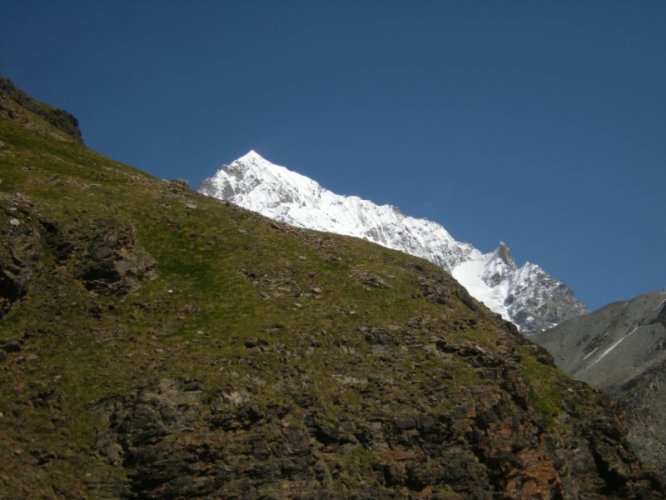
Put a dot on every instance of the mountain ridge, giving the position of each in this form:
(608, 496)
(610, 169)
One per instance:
(157, 343)
(526, 295)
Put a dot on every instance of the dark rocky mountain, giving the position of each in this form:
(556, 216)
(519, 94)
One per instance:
(156, 343)
(622, 349)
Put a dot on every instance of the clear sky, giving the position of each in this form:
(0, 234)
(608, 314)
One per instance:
(539, 123)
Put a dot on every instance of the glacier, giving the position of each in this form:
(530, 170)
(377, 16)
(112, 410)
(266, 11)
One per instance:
(527, 295)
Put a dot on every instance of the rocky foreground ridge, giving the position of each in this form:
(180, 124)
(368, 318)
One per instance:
(156, 343)
(526, 295)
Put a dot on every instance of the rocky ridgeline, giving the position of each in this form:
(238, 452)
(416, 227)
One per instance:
(15, 105)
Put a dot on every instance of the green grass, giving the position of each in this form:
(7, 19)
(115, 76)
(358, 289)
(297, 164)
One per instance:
(546, 387)
(225, 277)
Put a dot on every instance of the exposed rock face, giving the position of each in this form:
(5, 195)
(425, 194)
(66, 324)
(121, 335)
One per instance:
(621, 349)
(538, 301)
(105, 255)
(19, 230)
(175, 439)
(113, 262)
(15, 105)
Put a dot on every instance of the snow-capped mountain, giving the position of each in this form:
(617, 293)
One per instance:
(526, 295)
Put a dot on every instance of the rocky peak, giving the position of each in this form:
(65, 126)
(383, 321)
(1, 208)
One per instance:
(503, 253)
(251, 157)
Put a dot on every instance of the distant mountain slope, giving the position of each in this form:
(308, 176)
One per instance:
(621, 348)
(157, 343)
(527, 296)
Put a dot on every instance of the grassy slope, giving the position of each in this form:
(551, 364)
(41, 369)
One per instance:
(193, 319)
(227, 280)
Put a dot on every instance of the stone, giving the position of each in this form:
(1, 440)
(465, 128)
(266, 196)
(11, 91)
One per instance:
(255, 342)
(11, 346)
(379, 336)
(113, 262)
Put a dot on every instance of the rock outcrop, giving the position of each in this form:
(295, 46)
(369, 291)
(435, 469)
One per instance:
(112, 261)
(21, 249)
(17, 106)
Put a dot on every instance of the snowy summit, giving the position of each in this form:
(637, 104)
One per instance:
(525, 295)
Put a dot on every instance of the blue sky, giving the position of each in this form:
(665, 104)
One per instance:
(539, 123)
